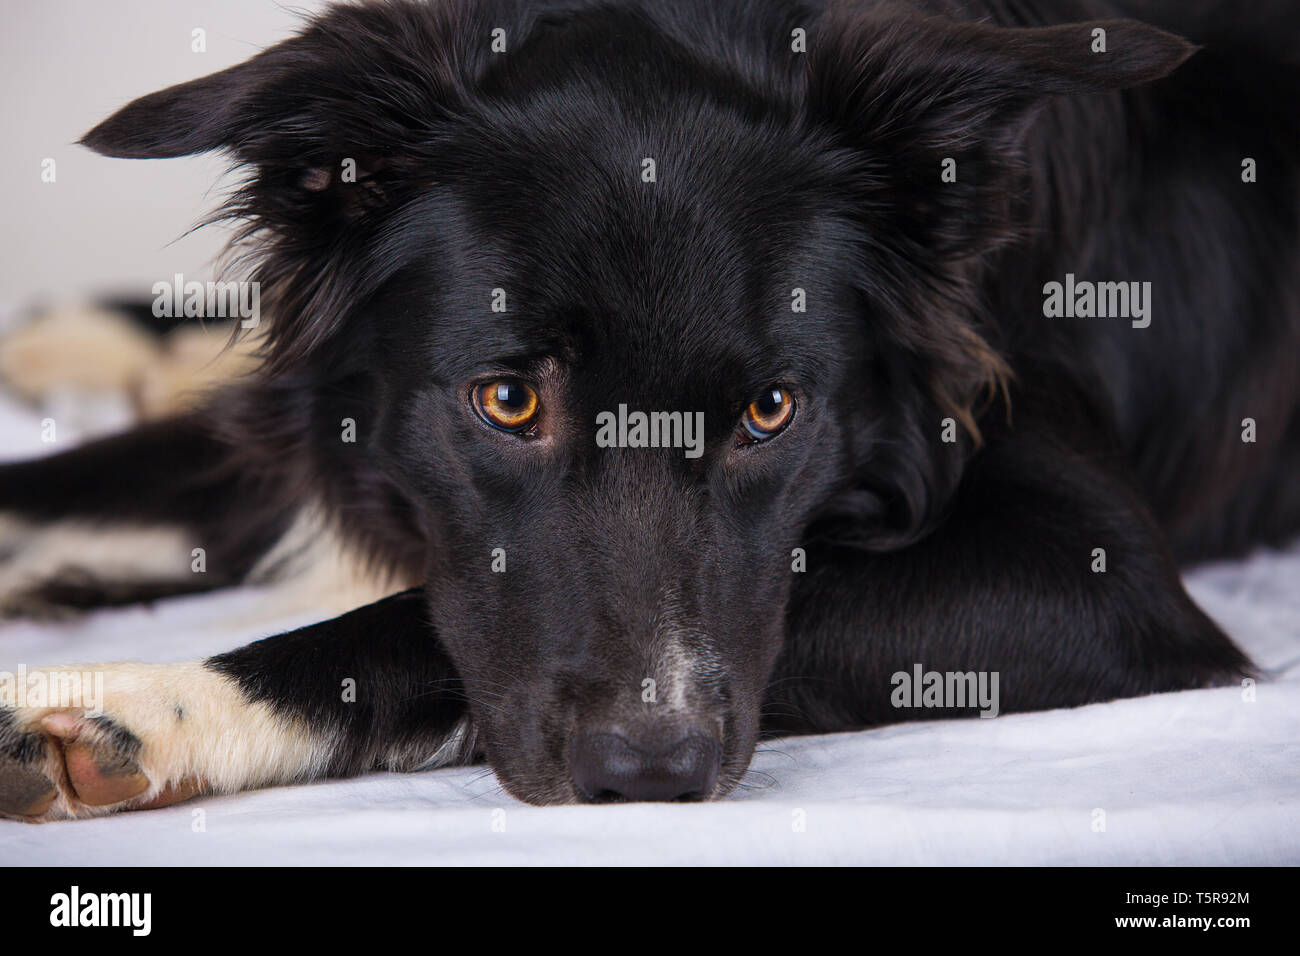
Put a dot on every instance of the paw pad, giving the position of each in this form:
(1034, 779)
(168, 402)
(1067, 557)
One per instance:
(94, 761)
(24, 789)
(101, 758)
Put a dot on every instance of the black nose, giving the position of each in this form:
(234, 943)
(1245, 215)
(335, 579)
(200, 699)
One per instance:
(608, 767)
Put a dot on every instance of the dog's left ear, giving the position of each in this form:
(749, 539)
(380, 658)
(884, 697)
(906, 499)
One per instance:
(937, 108)
(934, 113)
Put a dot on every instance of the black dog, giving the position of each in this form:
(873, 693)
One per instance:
(701, 366)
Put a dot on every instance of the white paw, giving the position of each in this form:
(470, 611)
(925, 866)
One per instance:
(59, 764)
(80, 742)
(157, 734)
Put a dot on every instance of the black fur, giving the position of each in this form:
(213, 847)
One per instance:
(966, 549)
(403, 694)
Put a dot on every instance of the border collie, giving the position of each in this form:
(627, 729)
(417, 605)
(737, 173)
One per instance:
(678, 372)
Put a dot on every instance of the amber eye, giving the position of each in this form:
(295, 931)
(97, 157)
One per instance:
(507, 404)
(768, 414)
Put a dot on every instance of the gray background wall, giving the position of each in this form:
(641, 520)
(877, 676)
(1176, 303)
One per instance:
(108, 225)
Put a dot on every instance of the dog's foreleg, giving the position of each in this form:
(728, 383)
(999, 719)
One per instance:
(366, 691)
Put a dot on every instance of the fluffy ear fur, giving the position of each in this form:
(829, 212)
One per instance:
(333, 128)
(904, 95)
(365, 83)
(910, 92)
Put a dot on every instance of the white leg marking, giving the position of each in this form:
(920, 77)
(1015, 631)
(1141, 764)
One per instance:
(195, 730)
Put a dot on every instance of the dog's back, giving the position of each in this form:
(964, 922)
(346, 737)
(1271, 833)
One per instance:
(1193, 186)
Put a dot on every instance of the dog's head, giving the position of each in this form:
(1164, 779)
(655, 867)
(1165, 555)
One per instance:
(626, 303)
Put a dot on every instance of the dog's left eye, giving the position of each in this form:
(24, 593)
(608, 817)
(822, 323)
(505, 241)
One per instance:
(767, 415)
(507, 404)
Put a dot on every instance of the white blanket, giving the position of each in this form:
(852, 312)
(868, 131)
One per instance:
(1201, 777)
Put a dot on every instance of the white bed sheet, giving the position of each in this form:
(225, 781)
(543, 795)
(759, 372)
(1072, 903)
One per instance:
(1200, 777)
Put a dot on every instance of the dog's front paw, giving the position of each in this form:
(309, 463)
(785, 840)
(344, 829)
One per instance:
(59, 763)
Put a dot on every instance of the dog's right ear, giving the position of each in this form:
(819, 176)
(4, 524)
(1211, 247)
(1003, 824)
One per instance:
(366, 84)
(334, 129)
(195, 117)
(276, 114)
(335, 104)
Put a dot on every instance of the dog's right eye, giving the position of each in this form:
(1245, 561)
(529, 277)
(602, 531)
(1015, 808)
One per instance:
(507, 404)
(768, 415)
